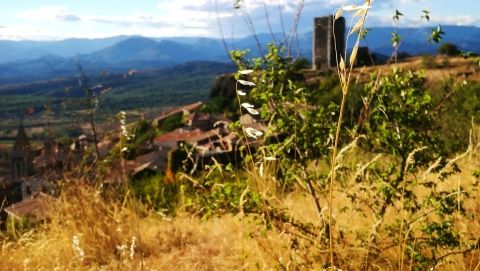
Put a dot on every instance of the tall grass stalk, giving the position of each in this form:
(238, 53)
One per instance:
(124, 136)
(344, 74)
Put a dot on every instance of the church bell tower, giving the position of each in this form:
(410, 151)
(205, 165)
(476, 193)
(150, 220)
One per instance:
(21, 157)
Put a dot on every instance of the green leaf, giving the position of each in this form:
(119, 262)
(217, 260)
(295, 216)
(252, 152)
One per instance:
(397, 15)
(436, 35)
(426, 15)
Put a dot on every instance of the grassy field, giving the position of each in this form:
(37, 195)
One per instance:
(89, 231)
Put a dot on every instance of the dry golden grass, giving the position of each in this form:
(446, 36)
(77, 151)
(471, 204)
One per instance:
(112, 237)
(90, 231)
(435, 67)
(109, 239)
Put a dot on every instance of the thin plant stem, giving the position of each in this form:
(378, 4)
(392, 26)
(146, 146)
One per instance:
(243, 130)
(220, 28)
(293, 30)
(332, 179)
(345, 79)
(267, 17)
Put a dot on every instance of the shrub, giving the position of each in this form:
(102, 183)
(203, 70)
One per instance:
(156, 192)
(220, 191)
(429, 62)
(141, 132)
(456, 113)
(402, 124)
(448, 49)
(172, 122)
(298, 129)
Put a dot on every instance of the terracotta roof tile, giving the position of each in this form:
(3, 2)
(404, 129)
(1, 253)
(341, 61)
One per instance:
(177, 135)
(194, 138)
(189, 107)
(36, 208)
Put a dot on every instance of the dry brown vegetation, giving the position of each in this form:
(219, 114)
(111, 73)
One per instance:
(111, 236)
(119, 234)
(436, 66)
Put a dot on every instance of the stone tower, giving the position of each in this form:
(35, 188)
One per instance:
(328, 45)
(21, 157)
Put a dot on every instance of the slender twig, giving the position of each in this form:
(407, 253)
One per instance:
(249, 22)
(267, 17)
(243, 130)
(316, 200)
(454, 253)
(293, 29)
(83, 83)
(220, 28)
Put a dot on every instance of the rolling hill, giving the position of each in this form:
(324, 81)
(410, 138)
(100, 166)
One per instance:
(11, 51)
(27, 61)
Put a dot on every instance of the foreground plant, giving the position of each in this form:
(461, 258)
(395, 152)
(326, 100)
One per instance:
(345, 74)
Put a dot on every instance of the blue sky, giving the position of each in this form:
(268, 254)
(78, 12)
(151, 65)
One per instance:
(56, 19)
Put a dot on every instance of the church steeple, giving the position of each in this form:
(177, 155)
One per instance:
(21, 156)
(22, 143)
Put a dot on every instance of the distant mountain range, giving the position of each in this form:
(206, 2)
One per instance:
(22, 61)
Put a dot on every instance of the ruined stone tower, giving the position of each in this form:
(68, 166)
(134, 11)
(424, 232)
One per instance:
(327, 45)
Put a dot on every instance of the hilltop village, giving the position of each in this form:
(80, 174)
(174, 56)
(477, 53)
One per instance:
(30, 173)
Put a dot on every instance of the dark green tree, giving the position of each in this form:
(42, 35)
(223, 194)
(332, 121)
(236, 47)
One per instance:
(448, 49)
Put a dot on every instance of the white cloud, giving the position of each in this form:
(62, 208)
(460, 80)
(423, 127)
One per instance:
(134, 24)
(180, 18)
(22, 32)
(410, 1)
(287, 6)
(131, 21)
(199, 18)
(397, 3)
(68, 18)
(198, 14)
(379, 18)
(203, 13)
(49, 13)
(459, 20)
(227, 5)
